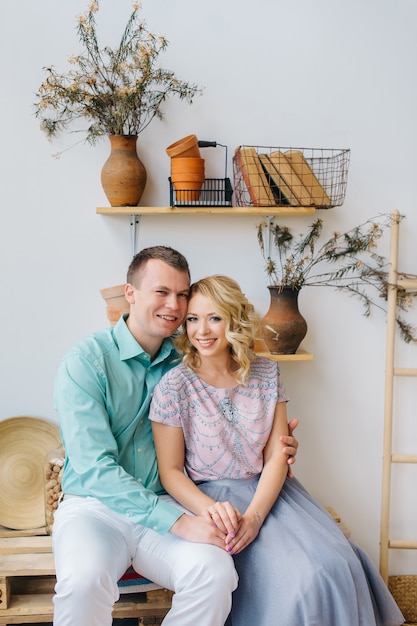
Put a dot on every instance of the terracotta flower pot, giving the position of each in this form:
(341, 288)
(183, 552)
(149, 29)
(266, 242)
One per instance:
(186, 147)
(116, 302)
(187, 190)
(185, 165)
(187, 177)
(123, 175)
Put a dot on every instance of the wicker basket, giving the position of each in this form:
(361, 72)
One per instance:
(303, 177)
(404, 590)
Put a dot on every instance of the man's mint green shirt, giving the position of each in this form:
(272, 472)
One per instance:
(102, 394)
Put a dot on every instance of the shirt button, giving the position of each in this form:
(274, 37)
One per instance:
(139, 480)
(155, 527)
(139, 450)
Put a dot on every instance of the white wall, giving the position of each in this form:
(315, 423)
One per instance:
(327, 73)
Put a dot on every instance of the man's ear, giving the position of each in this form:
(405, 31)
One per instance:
(129, 293)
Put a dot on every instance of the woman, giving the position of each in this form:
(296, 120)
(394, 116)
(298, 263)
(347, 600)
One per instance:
(220, 416)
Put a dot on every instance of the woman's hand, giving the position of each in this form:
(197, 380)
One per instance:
(250, 525)
(223, 515)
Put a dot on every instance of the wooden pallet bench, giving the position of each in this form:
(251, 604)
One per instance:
(27, 579)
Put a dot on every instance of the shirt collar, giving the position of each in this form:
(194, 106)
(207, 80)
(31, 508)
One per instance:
(129, 348)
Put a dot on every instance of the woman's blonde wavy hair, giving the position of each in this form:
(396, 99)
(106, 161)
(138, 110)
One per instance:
(241, 323)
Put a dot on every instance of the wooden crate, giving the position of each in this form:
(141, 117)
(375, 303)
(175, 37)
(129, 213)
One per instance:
(345, 530)
(27, 579)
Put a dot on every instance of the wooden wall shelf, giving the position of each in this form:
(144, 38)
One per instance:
(205, 210)
(135, 213)
(300, 355)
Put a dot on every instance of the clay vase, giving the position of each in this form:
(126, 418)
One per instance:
(283, 327)
(123, 175)
(116, 302)
(187, 177)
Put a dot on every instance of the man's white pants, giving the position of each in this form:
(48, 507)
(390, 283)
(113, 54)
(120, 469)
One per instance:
(93, 547)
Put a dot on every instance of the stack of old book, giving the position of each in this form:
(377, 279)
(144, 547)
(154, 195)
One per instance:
(279, 178)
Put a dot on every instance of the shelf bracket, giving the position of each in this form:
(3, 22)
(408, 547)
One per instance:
(270, 219)
(134, 230)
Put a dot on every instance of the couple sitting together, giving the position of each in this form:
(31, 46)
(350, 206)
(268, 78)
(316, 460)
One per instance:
(181, 467)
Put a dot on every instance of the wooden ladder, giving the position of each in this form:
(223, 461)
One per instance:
(391, 372)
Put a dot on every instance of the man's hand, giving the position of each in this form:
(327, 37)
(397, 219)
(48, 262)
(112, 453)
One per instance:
(198, 529)
(291, 445)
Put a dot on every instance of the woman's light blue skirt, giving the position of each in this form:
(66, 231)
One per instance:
(301, 570)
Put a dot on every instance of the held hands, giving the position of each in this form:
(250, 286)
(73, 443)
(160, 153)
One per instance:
(224, 516)
(249, 528)
(199, 529)
(238, 531)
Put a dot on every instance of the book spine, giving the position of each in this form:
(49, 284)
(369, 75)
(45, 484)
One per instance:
(254, 177)
(299, 164)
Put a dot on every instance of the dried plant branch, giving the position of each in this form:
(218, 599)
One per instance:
(355, 266)
(109, 91)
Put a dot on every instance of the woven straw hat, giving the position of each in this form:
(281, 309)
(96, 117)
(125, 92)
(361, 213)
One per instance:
(24, 445)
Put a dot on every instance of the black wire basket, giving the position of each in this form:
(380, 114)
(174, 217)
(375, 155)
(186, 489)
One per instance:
(298, 177)
(214, 191)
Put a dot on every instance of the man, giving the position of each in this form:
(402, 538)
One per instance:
(115, 512)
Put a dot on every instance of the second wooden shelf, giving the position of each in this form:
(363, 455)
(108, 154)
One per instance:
(300, 355)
